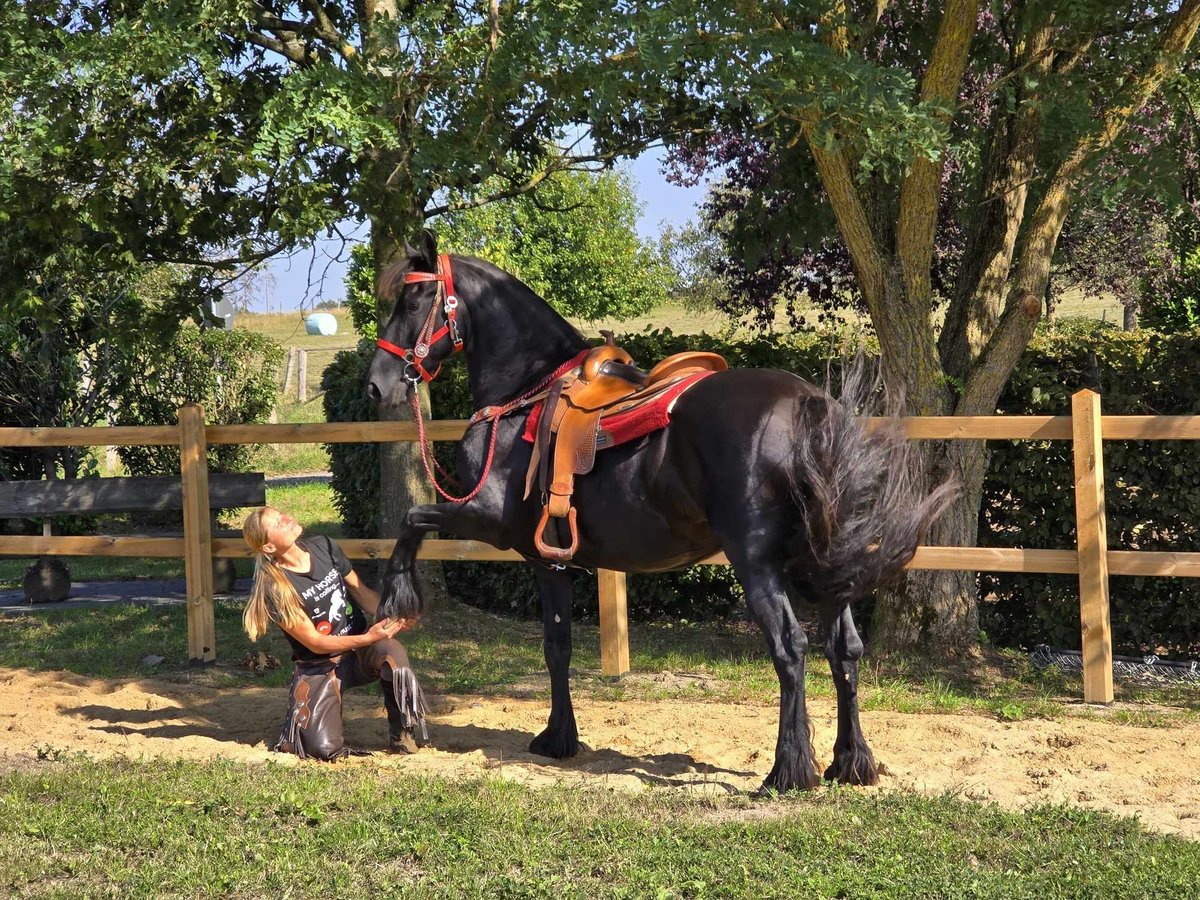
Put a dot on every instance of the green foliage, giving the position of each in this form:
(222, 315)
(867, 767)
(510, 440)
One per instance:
(60, 357)
(693, 252)
(354, 467)
(574, 241)
(1170, 299)
(360, 292)
(176, 130)
(232, 374)
(1152, 489)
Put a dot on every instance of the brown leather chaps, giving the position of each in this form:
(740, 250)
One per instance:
(313, 727)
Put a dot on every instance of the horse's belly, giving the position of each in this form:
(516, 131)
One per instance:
(634, 519)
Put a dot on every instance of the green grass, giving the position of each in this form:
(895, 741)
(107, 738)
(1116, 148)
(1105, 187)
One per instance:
(72, 828)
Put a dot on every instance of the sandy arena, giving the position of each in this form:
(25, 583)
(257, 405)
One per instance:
(1151, 773)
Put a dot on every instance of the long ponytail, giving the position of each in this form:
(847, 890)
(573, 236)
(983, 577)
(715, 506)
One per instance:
(273, 596)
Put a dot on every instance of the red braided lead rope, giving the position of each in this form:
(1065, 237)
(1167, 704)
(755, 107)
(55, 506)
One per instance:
(427, 452)
(490, 413)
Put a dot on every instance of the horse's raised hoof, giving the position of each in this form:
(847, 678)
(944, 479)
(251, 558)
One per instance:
(856, 767)
(557, 744)
(794, 776)
(398, 597)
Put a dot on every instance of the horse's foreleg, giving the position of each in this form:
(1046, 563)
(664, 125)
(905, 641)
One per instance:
(767, 601)
(853, 762)
(560, 738)
(400, 591)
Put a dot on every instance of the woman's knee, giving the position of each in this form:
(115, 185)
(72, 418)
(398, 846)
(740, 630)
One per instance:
(392, 654)
(327, 747)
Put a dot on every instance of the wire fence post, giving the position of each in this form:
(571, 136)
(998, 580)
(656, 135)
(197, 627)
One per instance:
(1092, 548)
(302, 376)
(197, 535)
(614, 623)
(290, 371)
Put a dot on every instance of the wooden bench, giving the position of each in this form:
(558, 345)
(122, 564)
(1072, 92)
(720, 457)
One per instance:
(94, 496)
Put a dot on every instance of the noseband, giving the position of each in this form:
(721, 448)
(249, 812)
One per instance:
(414, 359)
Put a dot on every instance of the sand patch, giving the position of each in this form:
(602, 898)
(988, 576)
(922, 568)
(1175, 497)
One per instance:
(715, 748)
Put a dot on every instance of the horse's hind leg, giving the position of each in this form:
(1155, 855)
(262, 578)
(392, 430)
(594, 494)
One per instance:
(767, 601)
(853, 762)
(560, 739)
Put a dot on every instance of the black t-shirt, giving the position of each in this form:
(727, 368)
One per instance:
(324, 595)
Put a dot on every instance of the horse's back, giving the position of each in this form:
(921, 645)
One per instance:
(742, 410)
(729, 445)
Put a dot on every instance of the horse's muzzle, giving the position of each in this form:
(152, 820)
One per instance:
(389, 397)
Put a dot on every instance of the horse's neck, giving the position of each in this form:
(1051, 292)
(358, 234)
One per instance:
(514, 347)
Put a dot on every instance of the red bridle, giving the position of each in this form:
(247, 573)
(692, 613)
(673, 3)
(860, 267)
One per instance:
(415, 358)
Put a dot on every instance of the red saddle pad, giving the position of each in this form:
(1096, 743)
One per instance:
(631, 424)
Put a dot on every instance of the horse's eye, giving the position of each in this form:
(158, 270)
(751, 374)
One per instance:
(414, 306)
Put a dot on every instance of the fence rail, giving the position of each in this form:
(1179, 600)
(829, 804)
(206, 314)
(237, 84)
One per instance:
(1090, 559)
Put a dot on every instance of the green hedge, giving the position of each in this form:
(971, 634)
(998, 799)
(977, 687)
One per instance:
(233, 374)
(1153, 488)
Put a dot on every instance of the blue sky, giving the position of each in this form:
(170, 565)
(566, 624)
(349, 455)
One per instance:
(317, 274)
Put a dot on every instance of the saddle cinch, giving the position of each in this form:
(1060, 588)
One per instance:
(571, 423)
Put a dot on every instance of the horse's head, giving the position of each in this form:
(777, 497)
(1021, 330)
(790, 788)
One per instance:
(423, 328)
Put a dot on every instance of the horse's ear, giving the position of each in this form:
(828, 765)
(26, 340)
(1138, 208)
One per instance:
(428, 249)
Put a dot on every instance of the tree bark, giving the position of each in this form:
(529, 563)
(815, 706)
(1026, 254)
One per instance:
(1130, 315)
(934, 610)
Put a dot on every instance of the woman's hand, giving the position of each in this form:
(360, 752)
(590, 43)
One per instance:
(385, 628)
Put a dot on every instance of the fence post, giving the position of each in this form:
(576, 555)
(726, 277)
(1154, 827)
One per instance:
(302, 376)
(291, 368)
(1092, 547)
(197, 535)
(614, 623)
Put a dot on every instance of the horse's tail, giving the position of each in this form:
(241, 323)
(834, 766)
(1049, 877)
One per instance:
(865, 505)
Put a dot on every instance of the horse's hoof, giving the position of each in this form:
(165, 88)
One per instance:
(555, 744)
(398, 598)
(855, 767)
(793, 777)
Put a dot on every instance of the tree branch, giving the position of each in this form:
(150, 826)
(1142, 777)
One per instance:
(868, 22)
(574, 164)
(1016, 325)
(921, 190)
(328, 31)
(290, 50)
(992, 238)
(852, 221)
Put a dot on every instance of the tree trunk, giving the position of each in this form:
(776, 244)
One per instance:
(402, 481)
(933, 610)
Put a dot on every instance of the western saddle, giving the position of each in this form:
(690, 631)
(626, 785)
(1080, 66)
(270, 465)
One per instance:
(569, 428)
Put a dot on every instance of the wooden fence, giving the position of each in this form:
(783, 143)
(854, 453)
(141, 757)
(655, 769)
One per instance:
(1090, 559)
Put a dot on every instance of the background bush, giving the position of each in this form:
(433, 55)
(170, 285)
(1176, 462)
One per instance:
(233, 374)
(1152, 489)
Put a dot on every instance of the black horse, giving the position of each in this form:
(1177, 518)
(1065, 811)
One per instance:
(787, 481)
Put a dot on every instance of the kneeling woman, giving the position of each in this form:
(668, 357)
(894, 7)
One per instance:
(301, 584)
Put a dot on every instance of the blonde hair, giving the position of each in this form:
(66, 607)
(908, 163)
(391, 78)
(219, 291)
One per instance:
(273, 595)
